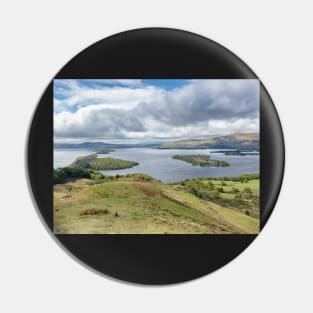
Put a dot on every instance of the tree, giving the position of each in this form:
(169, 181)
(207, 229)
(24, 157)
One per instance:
(194, 191)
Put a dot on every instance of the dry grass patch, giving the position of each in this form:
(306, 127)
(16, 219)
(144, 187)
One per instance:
(94, 211)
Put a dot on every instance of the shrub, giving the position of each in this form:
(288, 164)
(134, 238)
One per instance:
(60, 175)
(205, 195)
(246, 195)
(209, 195)
(194, 191)
(223, 183)
(247, 190)
(69, 187)
(94, 211)
(214, 195)
(96, 175)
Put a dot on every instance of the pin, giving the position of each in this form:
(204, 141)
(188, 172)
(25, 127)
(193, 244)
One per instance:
(155, 156)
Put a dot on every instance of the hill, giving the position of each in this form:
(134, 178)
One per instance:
(138, 204)
(246, 141)
(101, 146)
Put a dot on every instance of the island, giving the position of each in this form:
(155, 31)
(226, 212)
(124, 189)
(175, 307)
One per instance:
(201, 160)
(237, 152)
(93, 162)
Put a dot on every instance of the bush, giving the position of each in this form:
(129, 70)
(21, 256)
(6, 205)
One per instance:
(246, 195)
(205, 195)
(220, 189)
(247, 190)
(96, 175)
(60, 175)
(194, 191)
(223, 183)
(94, 211)
(214, 195)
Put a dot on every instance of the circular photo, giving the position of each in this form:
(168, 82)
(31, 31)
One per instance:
(155, 156)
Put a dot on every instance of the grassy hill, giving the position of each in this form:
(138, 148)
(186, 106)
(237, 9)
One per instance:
(92, 162)
(249, 141)
(138, 204)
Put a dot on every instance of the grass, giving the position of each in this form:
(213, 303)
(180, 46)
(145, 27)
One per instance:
(138, 204)
(253, 184)
(238, 193)
(92, 162)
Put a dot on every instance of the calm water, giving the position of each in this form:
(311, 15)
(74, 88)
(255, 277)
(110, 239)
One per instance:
(160, 165)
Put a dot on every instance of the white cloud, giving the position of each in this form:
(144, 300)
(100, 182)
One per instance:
(198, 109)
(76, 96)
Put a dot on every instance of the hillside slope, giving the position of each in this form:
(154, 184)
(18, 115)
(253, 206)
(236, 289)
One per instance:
(138, 204)
(248, 141)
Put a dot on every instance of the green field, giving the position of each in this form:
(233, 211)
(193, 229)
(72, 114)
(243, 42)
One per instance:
(92, 162)
(201, 160)
(228, 186)
(239, 193)
(139, 204)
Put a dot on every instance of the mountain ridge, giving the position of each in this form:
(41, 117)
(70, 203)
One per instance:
(247, 141)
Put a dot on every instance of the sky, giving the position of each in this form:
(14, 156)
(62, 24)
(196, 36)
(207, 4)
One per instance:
(136, 110)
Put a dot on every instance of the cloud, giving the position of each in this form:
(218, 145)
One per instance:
(96, 121)
(74, 94)
(137, 110)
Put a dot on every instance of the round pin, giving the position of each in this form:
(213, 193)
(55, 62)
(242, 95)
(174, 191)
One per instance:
(155, 156)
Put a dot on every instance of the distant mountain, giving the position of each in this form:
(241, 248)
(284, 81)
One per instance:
(242, 141)
(84, 145)
(245, 141)
(101, 145)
